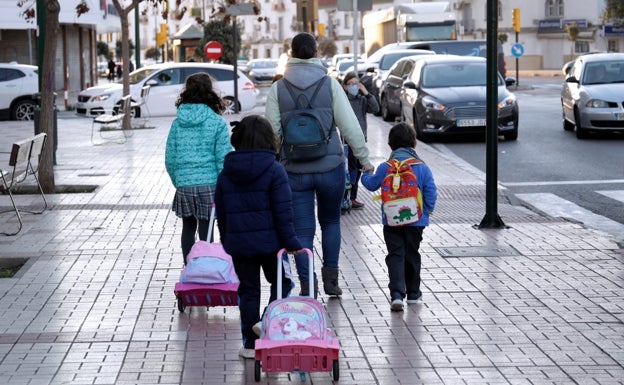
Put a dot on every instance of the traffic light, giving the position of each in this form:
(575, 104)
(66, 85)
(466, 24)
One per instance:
(321, 29)
(161, 37)
(516, 19)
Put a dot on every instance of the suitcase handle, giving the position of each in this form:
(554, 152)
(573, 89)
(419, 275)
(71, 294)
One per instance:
(280, 262)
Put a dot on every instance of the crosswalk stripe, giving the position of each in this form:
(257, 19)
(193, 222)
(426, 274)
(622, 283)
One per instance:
(618, 195)
(555, 206)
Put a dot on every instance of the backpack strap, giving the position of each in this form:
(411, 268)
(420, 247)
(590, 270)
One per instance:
(319, 83)
(289, 86)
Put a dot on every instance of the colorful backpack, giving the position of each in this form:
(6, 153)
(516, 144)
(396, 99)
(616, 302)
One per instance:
(401, 198)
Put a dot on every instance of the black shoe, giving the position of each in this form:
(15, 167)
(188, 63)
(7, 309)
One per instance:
(414, 298)
(355, 205)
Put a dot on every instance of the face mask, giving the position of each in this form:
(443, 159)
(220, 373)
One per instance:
(353, 89)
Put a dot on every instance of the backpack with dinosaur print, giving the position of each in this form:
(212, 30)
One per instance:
(402, 202)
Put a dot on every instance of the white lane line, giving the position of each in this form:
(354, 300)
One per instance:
(618, 195)
(555, 206)
(563, 182)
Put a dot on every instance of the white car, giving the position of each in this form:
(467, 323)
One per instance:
(166, 81)
(592, 94)
(18, 84)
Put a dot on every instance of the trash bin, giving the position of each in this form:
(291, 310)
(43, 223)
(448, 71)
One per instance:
(37, 98)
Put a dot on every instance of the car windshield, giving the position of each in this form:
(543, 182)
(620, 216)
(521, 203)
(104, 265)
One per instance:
(390, 58)
(455, 75)
(140, 74)
(603, 72)
(263, 64)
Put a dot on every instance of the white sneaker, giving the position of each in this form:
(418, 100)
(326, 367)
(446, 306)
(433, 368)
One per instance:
(257, 328)
(247, 353)
(396, 305)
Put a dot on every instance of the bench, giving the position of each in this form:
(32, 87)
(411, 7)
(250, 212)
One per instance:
(112, 121)
(23, 163)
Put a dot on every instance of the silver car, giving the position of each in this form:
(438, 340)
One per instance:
(592, 97)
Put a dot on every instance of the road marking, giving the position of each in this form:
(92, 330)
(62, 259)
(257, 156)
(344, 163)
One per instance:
(562, 182)
(618, 195)
(555, 206)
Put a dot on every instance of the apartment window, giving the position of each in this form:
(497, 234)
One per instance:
(554, 8)
(581, 46)
(347, 20)
(612, 46)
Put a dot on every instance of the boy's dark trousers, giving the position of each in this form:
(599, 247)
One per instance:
(403, 259)
(248, 271)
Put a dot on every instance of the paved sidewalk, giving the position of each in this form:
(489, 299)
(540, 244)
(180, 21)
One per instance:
(539, 302)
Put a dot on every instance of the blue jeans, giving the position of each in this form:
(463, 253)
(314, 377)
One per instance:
(328, 188)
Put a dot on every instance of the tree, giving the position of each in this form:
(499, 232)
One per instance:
(614, 12)
(102, 49)
(152, 53)
(327, 47)
(118, 48)
(51, 10)
(219, 30)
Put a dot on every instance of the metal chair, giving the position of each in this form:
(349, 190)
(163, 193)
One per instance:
(112, 122)
(142, 105)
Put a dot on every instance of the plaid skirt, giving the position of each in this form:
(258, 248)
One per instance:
(193, 201)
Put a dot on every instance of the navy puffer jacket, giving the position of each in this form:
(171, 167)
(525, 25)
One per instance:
(254, 205)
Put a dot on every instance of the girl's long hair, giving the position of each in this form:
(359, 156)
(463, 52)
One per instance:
(198, 89)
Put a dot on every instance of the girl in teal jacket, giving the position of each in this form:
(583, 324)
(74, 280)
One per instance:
(197, 144)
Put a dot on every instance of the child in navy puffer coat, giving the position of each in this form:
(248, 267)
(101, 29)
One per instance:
(255, 217)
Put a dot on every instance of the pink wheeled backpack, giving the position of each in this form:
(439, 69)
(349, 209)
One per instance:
(295, 336)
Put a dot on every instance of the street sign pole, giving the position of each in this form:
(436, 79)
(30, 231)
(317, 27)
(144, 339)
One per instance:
(491, 220)
(237, 10)
(517, 65)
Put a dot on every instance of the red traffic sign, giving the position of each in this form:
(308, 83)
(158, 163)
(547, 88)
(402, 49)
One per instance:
(213, 50)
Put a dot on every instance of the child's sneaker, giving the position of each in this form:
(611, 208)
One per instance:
(355, 205)
(414, 298)
(247, 353)
(396, 305)
(257, 328)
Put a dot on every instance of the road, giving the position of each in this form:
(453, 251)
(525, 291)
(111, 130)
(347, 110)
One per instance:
(549, 169)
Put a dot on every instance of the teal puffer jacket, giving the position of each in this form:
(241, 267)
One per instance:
(197, 144)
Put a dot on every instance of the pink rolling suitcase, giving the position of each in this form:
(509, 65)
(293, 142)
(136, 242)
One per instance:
(295, 336)
(210, 281)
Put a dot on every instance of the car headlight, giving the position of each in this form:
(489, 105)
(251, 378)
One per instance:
(431, 104)
(597, 103)
(101, 98)
(507, 102)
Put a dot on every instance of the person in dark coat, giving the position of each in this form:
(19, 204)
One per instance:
(111, 69)
(255, 217)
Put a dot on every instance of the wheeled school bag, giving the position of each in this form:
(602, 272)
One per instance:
(208, 279)
(295, 336)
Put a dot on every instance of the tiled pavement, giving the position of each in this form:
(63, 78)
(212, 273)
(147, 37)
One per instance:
(539, 302)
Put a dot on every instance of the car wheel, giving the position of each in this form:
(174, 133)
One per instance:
(24, 110)
(511, 135)
(567, 125)
(385, 112)
(229, 106)
(581, 133)
(420, 134)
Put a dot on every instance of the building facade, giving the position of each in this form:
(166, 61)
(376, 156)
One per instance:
(76, 52)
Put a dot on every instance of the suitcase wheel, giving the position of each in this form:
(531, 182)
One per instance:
(181, 305)
(336, 370)
(257, 371)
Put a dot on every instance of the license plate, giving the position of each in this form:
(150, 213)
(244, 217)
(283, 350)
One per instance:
(470, 122)
(618, 115)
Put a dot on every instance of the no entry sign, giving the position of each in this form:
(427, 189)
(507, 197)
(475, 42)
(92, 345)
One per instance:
(213, 50)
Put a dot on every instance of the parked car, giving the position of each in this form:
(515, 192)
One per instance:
(166, 81)
(343, 66)
(448, 47)
(446, 94)
(18, 85)
(379, 70)
(592, 94)
(261, 70)
(390, 90)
